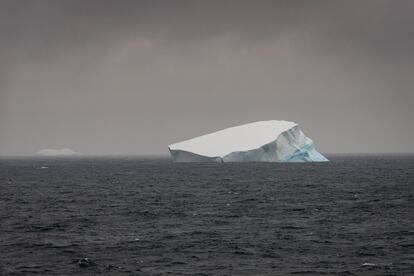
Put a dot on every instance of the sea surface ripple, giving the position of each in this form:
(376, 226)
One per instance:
(131, 216)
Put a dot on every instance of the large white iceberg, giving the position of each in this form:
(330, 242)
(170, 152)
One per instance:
(264, 141)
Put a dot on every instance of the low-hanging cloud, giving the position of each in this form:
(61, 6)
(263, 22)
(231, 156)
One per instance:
(130, 77)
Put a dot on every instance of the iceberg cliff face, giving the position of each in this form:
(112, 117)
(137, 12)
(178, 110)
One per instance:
(264, 141)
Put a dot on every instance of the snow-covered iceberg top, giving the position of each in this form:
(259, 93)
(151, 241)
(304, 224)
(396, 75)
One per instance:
(268, 141)
(238, 138)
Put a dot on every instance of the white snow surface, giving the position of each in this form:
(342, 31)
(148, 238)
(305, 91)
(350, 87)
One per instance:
(239, 138)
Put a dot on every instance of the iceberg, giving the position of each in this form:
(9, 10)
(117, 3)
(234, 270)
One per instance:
(263, 141)
(57, 152)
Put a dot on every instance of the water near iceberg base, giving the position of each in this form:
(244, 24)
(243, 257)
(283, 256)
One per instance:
(288, 144)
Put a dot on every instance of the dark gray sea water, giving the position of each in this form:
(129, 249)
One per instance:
(127, 216)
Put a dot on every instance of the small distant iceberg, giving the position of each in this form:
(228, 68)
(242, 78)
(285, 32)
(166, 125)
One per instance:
(263, 141)
(57, 152)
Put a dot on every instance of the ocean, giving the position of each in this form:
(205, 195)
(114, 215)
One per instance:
(149, 216)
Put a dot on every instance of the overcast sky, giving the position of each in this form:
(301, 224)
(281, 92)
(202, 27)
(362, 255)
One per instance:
(132, 77)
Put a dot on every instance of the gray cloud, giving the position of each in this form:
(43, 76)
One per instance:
(130, 77)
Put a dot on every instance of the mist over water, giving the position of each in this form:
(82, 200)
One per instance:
(350, 216)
